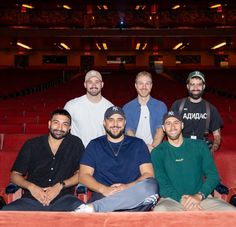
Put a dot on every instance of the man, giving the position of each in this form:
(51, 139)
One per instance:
(47, 168)
(185, 171)
(144, 114)
(199, 116)
(117, 168)
(88, 110)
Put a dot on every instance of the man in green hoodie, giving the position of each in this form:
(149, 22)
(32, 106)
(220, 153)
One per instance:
(185, 171)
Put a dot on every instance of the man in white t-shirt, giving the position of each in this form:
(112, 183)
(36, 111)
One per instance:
(87, 111)
(144, 114)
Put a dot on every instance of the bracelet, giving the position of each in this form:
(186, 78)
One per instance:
(202, 195)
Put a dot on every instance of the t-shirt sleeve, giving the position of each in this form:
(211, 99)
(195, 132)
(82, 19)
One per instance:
(89, 155)
(144, 153)
(216, 121)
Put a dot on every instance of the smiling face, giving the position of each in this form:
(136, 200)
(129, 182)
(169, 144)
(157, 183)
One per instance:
(115, 126)
(173, 128)
(195, 88)
(143, 85)
(59, 126)
(93, 86)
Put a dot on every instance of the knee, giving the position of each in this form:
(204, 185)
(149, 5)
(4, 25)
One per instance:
(151, 185)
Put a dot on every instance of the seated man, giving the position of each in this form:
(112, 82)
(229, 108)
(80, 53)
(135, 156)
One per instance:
(185, 171)
(117, 168)
(50, 164)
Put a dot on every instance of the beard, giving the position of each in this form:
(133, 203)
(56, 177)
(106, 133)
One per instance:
(58, 134)
(173, 137)
(115, 136)
(195, 96)
(94, 91)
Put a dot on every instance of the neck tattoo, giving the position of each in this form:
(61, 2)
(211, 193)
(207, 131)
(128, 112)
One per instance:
(116, 153)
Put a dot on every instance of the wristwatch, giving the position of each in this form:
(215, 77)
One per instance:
(63, 184)
(202, 195)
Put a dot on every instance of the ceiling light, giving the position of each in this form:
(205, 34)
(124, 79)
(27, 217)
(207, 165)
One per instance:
(23, 45)
(215, 6)
(177, 46)
(218, 45)
(138, 46)
(176, 7)
(66, 7)
(105, 7)
(98, 46)
(65, 46)
(27, 6)
(144, 46)
(104, 46)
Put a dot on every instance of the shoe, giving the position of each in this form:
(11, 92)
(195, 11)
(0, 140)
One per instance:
(84, 209)
(153, 199)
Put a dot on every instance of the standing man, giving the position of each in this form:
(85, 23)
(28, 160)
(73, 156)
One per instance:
(185, 171)
(199, 116)
(118, 169)
(88, 110)
(47, 168)
(144, 114)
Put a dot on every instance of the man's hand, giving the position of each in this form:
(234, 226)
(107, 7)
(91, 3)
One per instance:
(191, 202)
(39, 194)
(53, 192)
(106, 190)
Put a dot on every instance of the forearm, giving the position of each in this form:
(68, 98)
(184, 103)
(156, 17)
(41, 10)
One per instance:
(90, 182)
(19, 180)
(158, 137)
(217, 140)
(74, 180)
(142, 177)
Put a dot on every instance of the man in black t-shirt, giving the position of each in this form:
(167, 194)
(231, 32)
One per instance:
(46, 168)
(199, 116)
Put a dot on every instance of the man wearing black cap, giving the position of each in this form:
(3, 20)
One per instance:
(199, 116)
(117, 168)
(185, 171)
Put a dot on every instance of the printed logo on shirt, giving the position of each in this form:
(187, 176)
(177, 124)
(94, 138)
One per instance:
(179, 160)
(195, 116)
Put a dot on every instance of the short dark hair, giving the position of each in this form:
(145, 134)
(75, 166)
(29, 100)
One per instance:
(61, 112)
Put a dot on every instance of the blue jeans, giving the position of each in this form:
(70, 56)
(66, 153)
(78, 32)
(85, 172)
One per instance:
(64, 203)
(128, 199)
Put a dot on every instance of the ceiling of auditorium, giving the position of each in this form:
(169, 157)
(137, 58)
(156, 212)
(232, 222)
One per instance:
(119, 37)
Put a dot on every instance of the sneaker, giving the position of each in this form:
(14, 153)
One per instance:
(84, 209)
(153, 199)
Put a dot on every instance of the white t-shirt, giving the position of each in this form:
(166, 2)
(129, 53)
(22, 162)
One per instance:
(144, 130)
(87, 117)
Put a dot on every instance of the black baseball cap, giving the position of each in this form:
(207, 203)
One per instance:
(114, 110)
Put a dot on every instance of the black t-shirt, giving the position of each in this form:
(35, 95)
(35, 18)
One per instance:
(43, 168)
(194, 118)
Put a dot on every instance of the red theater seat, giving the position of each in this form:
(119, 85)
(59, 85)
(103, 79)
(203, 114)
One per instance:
(13, 142)
(11, 128)
(225, 161)
(36, 128)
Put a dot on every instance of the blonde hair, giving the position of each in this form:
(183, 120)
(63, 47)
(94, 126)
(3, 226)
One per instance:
(143, 73)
